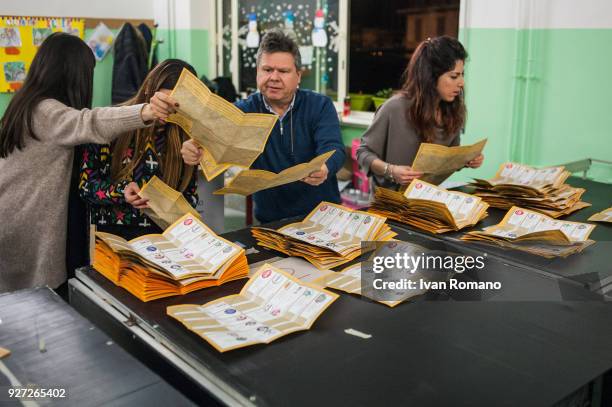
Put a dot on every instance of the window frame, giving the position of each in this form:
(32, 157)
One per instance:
(220, 52)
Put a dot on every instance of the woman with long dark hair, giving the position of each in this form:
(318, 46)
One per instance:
(43, 122)
(112, 174)
(429, 108)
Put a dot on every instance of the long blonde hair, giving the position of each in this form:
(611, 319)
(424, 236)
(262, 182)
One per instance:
(174, 171)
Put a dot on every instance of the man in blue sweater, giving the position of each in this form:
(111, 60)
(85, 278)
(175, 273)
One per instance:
(307, 126)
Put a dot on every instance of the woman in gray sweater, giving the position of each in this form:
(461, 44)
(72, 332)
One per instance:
(45, 119)
(429, 108)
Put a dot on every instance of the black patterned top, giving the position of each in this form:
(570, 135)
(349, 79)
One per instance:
(105, 198)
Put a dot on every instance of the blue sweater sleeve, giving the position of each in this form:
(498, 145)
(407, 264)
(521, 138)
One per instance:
(327, 136)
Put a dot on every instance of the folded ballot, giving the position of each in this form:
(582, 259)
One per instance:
(188, 256)
(166, 205)
(248, 182)
(230, 136)
(603, 216)
(536, 233)
(349, 281)
(438, 162)
(209, 166)
(329, 236)
(272, 304)
(429, 207)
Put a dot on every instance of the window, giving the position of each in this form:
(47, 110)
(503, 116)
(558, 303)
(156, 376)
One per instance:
(382, 39)
(314, 24)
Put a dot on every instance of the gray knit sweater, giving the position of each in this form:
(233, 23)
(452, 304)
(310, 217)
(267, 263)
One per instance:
(34, 189)
(392, 138)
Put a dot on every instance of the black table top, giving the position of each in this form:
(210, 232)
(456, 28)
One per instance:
(592, 268)
(76, 356)
(533, 343)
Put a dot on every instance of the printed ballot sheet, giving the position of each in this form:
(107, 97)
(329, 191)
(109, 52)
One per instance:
(186, 249)
(229, 135)
(603, 216)
(528, 177)
(429, 207)
(520, 223)
(438, 162)
(301, 269)
(349, 281)
(248, 182)
(329, 236)
(166, 205)
(336, 227)
(542, 190)
(464, 208)
(536, 233)
(359, 278)
(272, 304)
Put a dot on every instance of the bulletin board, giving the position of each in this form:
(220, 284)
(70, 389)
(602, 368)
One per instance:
(20, 38)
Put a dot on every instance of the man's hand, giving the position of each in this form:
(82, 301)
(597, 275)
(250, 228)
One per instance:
(404, 174)
(162, 105)
(130, 193)
(476, 162)
(191, 152)
(318, 177)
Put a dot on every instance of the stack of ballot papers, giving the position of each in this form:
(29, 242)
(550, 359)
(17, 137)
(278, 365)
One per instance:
(166, 205)
(271, 304)
(603, 216)
(188, 256)
(536, 233)
(542, 190)
(428, 207)
(329, 236)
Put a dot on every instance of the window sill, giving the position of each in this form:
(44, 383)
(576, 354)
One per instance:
(357, 119)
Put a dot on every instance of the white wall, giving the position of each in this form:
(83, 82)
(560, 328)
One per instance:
(127, 9)
(546, 14)
(170, 14)
(184, 14)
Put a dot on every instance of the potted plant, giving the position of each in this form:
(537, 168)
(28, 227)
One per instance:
(360, 101)
(381, 97)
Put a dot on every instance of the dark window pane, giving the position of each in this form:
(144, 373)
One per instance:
(385, 33)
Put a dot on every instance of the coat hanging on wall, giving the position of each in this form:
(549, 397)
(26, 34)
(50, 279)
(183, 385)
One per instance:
(131, 63)
(149, 37)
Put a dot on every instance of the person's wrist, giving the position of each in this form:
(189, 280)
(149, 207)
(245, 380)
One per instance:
(146, 113)
(386, 171)
(392, 174)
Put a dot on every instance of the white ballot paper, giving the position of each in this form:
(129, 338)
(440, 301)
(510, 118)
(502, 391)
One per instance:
(271, 304)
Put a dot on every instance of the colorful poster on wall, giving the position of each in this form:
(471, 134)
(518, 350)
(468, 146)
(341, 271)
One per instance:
(20, 38)
(101, 41)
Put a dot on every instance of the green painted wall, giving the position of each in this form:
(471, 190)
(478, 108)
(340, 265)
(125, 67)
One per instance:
(351, 132)
(189, 45)
(539, 96)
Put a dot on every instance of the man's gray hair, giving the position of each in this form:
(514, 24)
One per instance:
(277, 41)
